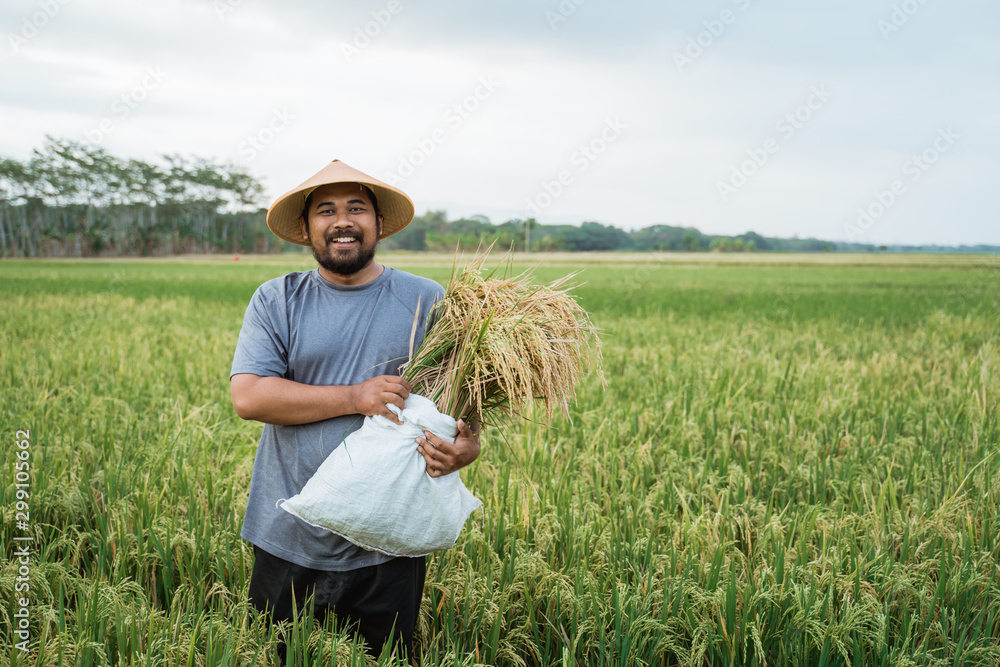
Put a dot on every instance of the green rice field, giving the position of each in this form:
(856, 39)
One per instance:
(795, 460)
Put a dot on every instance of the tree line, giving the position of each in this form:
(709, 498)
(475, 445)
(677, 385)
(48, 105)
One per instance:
(75, 199)
(433, 231)
(71, 199)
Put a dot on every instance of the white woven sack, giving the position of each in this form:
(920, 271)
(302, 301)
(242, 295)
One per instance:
(374, 489)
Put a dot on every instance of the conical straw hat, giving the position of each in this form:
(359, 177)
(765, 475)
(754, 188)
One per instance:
(283, 216)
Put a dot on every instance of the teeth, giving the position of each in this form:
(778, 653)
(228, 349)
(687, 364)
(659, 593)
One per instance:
(344, 239)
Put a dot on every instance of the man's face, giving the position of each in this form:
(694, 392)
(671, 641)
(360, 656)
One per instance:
(342, 228)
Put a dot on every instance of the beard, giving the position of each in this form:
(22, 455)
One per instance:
(345, 262)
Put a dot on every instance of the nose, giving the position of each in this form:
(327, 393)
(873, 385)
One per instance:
(342, 219)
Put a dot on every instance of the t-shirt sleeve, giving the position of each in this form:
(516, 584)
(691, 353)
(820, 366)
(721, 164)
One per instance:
(429, 307)
(262, 348)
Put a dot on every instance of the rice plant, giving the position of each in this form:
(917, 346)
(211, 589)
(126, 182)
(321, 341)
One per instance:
(791, 462)
(497, 344)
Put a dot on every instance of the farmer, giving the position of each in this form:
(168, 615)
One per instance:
(318, 350)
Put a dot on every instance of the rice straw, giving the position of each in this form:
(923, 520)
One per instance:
(497, 344)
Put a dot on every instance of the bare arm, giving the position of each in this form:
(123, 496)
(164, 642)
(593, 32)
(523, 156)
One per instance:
(275, 400)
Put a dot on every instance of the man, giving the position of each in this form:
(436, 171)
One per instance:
(319, 350)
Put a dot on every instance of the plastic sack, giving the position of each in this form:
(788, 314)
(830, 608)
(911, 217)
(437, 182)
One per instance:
(374, 490)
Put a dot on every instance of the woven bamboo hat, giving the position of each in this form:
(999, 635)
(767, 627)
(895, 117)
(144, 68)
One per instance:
(283, 216)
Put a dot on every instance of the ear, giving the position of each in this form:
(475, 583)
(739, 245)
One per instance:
(304, 226)
(379, 220)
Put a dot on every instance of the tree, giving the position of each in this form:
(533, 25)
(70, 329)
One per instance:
(595, 236)
(74, 198)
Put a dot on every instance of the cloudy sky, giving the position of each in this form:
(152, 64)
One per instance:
(869, 120)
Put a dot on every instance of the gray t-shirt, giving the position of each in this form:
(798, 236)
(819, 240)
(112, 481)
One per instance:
(304, 328)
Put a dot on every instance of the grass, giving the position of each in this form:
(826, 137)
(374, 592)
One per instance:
(793, 462)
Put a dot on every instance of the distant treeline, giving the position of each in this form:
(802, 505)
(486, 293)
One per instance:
(433, 231)
(75, 200)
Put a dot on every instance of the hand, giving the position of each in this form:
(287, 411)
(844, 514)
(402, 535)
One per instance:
(443, 457)
(373, 397)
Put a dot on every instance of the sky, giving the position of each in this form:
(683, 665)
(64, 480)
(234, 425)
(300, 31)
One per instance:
(873, 121)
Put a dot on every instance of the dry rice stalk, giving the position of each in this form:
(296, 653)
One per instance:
(497, 344)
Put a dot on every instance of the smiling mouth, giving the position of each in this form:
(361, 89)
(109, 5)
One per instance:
(344, 241)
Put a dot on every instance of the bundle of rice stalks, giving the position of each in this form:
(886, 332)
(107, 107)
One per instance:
(497, 344)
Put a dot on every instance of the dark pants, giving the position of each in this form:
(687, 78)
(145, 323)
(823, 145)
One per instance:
(383, 601)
